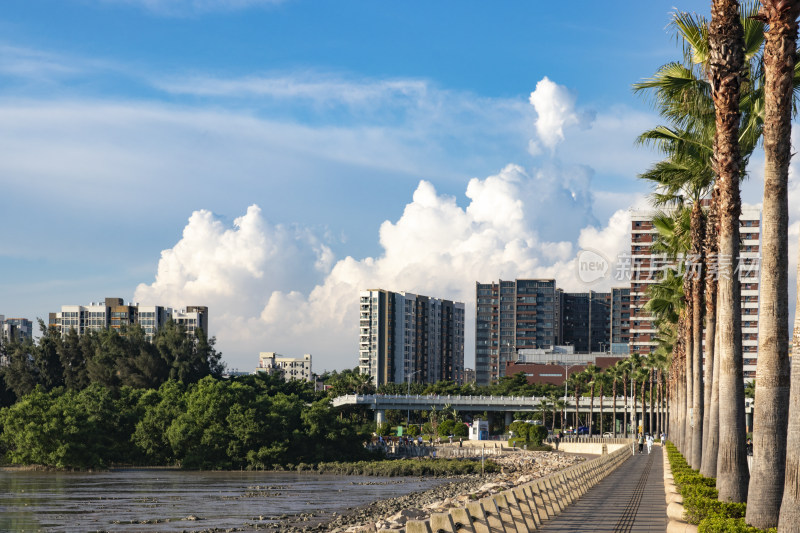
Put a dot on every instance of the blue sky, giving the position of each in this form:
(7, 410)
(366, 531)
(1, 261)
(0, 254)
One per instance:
(271, 158)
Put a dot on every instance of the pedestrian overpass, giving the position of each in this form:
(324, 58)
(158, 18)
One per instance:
(508, 405)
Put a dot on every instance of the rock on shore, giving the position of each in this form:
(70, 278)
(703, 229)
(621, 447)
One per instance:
(518, 467)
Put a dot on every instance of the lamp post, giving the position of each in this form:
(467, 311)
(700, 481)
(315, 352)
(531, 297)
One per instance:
(408, 394)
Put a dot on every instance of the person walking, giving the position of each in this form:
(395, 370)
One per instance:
(641, 443)
(649, 444)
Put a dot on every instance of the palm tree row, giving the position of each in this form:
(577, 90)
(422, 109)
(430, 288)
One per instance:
(646, 378)
(735, 87)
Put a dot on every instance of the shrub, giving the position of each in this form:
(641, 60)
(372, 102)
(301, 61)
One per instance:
(460, 430)
(446, 428)
(717, 524)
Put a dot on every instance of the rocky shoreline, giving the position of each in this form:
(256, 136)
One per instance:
(518, 467)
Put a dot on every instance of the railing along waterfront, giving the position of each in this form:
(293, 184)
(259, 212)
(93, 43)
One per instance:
(527, 506)
(459, 402)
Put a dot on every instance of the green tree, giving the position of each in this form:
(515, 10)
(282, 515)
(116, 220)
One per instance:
(160, 408)
(73, 361)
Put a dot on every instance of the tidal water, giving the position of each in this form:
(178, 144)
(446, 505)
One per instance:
(169, 500)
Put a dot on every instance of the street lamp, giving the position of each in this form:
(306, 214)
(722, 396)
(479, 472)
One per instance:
(408, 394)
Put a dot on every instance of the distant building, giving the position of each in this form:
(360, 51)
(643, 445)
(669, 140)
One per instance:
(469, 376)
(646, 267)
(620, 320)
(555, 365)
(18, 329)
(511, 315)
(410, 337)
(113, 313)
(585, 320)
(290, 368)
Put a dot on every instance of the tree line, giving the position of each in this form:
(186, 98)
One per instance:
(254, 422)
(734, 88)
(107, 357)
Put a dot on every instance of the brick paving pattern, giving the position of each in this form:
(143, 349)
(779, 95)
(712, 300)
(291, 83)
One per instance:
(630, 500)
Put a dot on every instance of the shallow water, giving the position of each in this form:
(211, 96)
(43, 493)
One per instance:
(121, 500)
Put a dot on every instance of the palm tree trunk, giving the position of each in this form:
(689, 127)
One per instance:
(601, 412)
(726, 61)
(650, 423)
(625, 405)
(698, 231)
(790, 507)
(708, 467)
(614, 408)
(634, 388)
(771, 411)
(644, 414)
(713, 419)
(687, 335)
(591, 409)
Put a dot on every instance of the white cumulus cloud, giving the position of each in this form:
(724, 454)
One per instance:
(555, 107)
(436, 248)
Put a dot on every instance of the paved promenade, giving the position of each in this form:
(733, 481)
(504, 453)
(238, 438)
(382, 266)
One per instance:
(630, 500)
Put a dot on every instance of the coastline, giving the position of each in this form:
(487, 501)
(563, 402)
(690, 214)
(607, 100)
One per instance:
(517, 467)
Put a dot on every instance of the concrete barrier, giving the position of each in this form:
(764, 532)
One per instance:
(524, 508)
(588, 448)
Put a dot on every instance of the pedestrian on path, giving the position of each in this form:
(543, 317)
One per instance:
(649, 444)
(641, 443)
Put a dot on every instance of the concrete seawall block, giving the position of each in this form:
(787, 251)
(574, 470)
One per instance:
(442, 523)
(418, 526)
(462, 523)
(478, 517)
(522, 505)
(538, 502)
(492, 513)
(504, 512)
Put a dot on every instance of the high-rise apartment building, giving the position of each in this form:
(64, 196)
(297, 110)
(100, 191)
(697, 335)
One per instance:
(511, 315)
(620, 320)
(408, 337)
(585, 320)
(115, 314)
(646, 267)
(18, 329)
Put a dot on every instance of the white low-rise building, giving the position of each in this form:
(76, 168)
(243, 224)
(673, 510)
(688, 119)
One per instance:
(290, 367)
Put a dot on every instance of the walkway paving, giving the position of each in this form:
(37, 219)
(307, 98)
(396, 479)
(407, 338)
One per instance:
(630, 500)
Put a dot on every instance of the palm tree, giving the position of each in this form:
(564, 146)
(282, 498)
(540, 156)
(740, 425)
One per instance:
(613, 375)
(790, 507)
(575, 381)
(601, 382)
(772, 410)
(590, 375)
(725, 72)
(561, 405)
(623, 368)
(683, 95)
(544, 405)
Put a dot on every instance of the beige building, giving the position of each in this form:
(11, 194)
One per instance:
(114, 313)
(290, 367)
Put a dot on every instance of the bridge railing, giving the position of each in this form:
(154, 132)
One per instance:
(459, 400)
